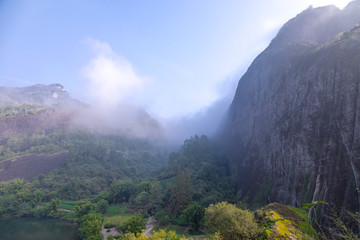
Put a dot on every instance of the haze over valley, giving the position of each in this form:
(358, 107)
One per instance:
(167, 120)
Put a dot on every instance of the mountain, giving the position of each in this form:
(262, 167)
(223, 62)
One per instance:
(38, 94)
(293, 128)
(28, 110)
(51, 106)
(42, 128)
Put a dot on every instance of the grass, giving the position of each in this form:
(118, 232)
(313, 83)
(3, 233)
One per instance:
(116, 215)
(117, 209)
(304, 224)
(116, 220)
(68, 205)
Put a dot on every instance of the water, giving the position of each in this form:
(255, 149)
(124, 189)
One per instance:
(36, 229)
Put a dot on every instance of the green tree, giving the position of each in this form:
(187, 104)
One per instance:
(102, 206)
(142, 200)
(162, 216)
(83, 207)
(52, 209)
(155, 198)
(181, 193)
(144, 186)
(121, 191)
(90, 227)
(232, 223)
(135, 224)
(23, 209)
(194, 214)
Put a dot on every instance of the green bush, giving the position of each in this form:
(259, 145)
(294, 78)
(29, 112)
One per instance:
(135, 224)
(231, 222)
(194, 215)
(162, 216)
(90, 227)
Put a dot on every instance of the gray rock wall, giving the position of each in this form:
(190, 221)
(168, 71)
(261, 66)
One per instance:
(293, 128)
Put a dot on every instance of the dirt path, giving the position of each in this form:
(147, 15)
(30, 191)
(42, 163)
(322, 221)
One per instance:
(106, 234)
(151, 223)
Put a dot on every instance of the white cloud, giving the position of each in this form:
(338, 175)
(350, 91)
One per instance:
(111, 78)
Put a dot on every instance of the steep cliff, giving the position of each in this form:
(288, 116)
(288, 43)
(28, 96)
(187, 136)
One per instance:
(293, 128)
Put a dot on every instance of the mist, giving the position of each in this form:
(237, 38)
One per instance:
(119, 102)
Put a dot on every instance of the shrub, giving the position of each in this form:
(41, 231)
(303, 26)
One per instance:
(135, 224)
(162, 216)
(231, 222)
(194, 215)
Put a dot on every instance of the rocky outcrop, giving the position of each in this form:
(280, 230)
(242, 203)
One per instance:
(293, 128)
(38, 94)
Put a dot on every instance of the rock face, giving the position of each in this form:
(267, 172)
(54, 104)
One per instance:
(293, 128)
(30, 166)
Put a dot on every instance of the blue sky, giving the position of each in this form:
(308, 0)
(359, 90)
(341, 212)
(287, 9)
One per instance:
(173, 58)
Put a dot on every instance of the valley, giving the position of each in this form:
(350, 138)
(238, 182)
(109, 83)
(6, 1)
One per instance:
(283, 163)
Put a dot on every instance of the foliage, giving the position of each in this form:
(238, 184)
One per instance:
(83, 207)
(163, 216)
(135, 224)
(342, 230)
(142, 199)
(25, 109)
(312, 204)
(212, 176)
(155, 198)
(102, 206)
(121, 191)
(157, 235)
(52, 208)
(90, 227)
(18, 197)
(181, 192)
(232, 223)
(194, 215)
(216, 236)
(284, 222)
(93, 161)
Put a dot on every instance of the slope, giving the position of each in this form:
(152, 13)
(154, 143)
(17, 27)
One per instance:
(292, 128)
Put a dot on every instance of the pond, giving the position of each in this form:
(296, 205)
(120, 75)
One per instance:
(36, 229)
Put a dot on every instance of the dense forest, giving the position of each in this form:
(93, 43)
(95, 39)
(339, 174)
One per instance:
(117, 182)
